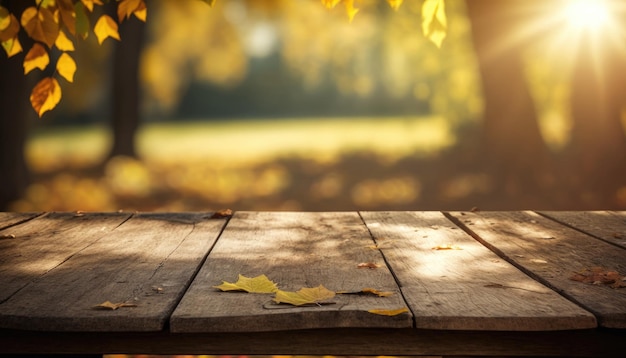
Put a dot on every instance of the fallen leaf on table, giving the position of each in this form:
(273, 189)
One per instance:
(367, 291)
(259, 284)
(386, 312)
(600, 276)
(108, 305)
(369, 265)
(447, 247)
(304, 296)
(224, 213)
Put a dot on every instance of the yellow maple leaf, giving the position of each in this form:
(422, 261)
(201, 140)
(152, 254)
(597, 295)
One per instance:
(12, 46)
(395, 4)
(387, 312)
(304, 296)
(46, 95)
(259, 284)
(434, 22)
(108, 305)
(66, 67)
(37, 57)
(106, 27)
(63, 43)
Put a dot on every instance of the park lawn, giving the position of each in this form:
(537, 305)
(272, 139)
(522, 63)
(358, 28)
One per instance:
(248, 164)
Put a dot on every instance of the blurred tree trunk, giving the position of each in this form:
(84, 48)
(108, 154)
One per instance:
(126, 88)
(598, 140)
(511, 137)
(14, 102)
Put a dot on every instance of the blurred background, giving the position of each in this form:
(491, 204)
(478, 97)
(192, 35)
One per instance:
(286, 105)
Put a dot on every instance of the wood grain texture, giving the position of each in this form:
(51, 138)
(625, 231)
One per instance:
(148, 261)
(608, 226)
(39, 245)
(552, 253)
(468, 288)
(9, 219)
(294, 250)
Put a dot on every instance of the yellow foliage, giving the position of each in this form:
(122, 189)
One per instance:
(304, 296)
(37, 57)
(259, 284)
(12, 47)
(106, 27)
(46, 95)
(434, 22)
(63, 43)
(66, 67)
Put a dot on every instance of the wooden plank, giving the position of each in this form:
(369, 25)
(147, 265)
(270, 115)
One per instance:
(39, 245)
(324, 342)
(605, 225)
(467, 288)
(295, 250)
(148, 261)
(9, 219)
(552, 253)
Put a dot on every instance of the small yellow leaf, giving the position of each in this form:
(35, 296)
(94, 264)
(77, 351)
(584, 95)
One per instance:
(304, 296)
(108, 305)
(395, 4)
(125, 8)
(329, 4)
(369, 265)
(63, 43)
(350, 9)
(434, 22)
(376, 292)
(66, 67)
(259, 284)
(46, 95)
(12, 47)
(9, 27)
(89, 3)
(386, 312)
(5, 18)
(106, 27)
(37, 57)
(141, 13)
(447, 247)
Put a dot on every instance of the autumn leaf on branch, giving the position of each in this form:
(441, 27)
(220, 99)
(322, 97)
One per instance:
(66, 67)
(304, 296)
(37, 57)
(46, 95)
(106, 27)
(259, 284)
(434, 22)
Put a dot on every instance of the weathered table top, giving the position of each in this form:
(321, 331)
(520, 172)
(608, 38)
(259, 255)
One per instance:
(464, 283)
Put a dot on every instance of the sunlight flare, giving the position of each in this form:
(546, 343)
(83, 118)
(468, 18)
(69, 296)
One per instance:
(587, 14)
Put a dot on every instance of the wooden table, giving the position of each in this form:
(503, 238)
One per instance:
(474, 283)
